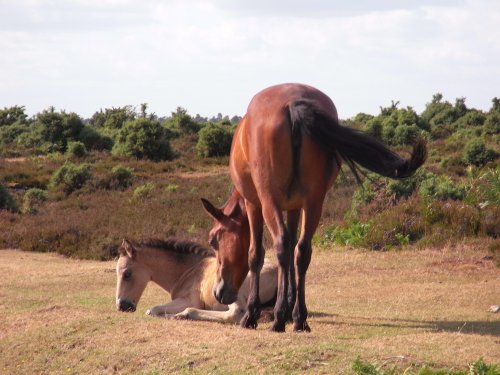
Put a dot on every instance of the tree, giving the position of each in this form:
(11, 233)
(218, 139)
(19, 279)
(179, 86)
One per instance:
(9, 116)
(57, 128)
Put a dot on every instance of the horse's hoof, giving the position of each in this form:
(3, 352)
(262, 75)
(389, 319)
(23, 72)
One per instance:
(301, 327)
(148, 312)
(248, 322)
(277, 327)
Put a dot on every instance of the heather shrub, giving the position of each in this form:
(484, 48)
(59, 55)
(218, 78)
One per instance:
(76, 149)
(143, 192)
(397, 226)
(7, 202)
(71, 177)
(32, 200)
(449, 221)
(120, 178)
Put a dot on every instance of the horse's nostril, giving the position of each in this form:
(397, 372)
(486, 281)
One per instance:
(126, 306)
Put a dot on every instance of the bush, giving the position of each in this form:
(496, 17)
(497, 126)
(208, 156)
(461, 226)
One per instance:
(214, 140)
(120, 178)
(94, 140)
(76, 149)
(143, 192)
(7, 202)
(477, 154)
(351, 235)
(143, 139)
(442, 188)
(71, 177)
(32, 199)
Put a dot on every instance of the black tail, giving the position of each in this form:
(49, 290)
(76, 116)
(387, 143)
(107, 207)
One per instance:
(354, 146)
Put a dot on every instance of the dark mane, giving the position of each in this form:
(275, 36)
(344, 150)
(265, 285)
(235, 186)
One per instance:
(179, 247)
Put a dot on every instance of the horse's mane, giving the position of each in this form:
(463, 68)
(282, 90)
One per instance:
(179, 247)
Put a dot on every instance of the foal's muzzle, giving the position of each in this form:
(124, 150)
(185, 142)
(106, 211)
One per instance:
(125, 305)
(224, 294)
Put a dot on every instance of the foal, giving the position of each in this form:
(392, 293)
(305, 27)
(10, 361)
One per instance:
(187, 271)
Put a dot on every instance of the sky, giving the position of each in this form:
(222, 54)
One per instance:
(212, 56)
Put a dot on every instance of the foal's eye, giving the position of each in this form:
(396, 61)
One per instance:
(127, 275)
(214, 243)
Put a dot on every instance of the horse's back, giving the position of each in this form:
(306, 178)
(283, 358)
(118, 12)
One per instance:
(262, 155)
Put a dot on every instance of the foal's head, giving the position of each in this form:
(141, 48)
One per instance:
(131, 278)
(230, 238)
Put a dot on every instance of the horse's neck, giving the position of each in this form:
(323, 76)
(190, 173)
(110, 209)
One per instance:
(167, 268)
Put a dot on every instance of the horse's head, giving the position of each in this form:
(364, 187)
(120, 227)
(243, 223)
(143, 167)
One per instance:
(230, 239)
(131, 277)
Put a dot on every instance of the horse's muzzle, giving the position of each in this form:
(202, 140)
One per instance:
(224, 294)
(125, 305)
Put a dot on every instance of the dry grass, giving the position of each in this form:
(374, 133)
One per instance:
(58, 316)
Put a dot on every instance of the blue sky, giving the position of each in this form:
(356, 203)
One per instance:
(213, 56)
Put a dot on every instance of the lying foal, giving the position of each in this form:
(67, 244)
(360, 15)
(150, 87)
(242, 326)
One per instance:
(187, 271)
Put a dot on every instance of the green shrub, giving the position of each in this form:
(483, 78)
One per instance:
(7, 202)
(351, 235)
(71, 177)
(143, 192)
(442, 188)
(32, 199)
(492, 123)
(143, 139)
(94, 140)
(214, 140)
(406, 134)
(76, 149)
(477, 154)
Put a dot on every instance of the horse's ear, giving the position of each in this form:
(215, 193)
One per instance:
(213, 211)
(127, 248)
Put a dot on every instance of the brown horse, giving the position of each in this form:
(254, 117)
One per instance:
(286, 153)
(187, 271)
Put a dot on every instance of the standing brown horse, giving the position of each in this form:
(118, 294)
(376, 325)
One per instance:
(286, 153)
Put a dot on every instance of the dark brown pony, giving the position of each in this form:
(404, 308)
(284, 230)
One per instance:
(286, 153)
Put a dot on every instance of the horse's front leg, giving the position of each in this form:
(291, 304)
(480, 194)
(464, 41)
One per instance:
(165, 311)
(255, 262)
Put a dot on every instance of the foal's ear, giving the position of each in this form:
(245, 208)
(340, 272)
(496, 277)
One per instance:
(213, 211)
(127, 248)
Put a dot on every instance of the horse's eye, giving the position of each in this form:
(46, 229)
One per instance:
(214, 243)
(127, 275)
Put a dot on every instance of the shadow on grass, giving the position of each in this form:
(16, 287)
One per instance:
(489, 328)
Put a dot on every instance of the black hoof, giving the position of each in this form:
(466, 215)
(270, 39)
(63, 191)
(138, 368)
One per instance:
(277, 327)
(248, 321)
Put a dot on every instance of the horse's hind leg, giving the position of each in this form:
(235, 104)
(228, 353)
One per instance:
(255, 262)
(281, 243)
(302, 259)
(292, 223)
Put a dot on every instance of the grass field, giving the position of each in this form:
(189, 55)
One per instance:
(403, 309)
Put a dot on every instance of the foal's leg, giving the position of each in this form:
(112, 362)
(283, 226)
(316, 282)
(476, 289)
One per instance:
(303, 253)
(281, 243)
(292, 223)
(255, 262)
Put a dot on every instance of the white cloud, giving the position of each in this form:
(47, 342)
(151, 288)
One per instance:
(212, 56)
